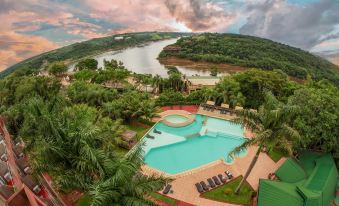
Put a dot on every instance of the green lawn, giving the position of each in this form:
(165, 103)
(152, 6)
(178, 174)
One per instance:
(84, 201)
(163, 198)
(226, 193)
(276, 154)
(141, 131)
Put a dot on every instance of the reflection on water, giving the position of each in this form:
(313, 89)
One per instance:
(144, 59)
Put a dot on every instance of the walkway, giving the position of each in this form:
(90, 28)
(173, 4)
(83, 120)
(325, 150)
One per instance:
(184, 189)
(188, 108)
(183, 184)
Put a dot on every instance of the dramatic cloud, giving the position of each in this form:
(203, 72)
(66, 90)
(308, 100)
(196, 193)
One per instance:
(299, 25)
(32, 26)
(15, 47)
(199, 15)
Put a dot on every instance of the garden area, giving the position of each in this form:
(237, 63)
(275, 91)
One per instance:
(226, 193)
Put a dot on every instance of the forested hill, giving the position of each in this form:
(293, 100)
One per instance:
(249, 51)
(90, 47)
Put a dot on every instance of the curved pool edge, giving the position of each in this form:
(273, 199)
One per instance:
(190, 120)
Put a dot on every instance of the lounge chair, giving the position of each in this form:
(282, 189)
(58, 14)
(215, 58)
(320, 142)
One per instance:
(210, 181)
(150, 136)
(204, 186)
(222, 179)
(216, 180)
(156, 131)
(229, 174)
(199, 187)
(167, 189)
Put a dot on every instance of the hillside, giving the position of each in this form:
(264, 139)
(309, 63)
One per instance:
(252, 52)
(90, 47)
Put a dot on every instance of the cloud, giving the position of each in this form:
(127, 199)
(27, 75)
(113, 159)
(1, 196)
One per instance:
(298, 25)
(16, 47)
(199, 15)
(138, 15)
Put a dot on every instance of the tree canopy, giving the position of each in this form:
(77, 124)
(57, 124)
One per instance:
(254, 52)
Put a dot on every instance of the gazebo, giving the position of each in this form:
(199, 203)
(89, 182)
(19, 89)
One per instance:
(128, 136)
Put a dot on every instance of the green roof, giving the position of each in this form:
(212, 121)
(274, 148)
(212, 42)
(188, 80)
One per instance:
(316, 187)
(278, 194)
(311, 198)
(290, 171)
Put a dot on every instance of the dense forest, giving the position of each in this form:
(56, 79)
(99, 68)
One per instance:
(90, 47)
(253, 52)
(72, 131)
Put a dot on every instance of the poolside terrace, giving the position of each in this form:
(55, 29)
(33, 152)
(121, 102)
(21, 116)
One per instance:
(183, 185)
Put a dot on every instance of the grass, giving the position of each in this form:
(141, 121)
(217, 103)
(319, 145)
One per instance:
(84, 201)
(163, 198)
(226, 193)
(141, 131)
(276, 154)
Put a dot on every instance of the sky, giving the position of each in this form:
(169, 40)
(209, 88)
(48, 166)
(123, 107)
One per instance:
(30, 27)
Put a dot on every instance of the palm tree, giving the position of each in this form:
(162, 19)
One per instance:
(124, 184)
(270, 124)
(229, 91)
(157, 82)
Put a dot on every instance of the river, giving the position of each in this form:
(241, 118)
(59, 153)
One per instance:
(143, 60)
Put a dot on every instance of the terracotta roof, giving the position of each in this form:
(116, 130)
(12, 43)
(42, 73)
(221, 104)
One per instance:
(128, 135)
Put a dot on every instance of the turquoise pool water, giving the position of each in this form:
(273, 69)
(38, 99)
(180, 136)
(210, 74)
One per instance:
(199, 144)
(193, 128)
(176, 118)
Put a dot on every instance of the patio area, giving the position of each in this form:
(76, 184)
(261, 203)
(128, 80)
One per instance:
(183, 185)
(184, 188)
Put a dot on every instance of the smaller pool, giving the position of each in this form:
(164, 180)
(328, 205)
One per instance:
(176, 118)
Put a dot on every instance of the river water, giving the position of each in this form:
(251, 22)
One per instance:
(143, 60)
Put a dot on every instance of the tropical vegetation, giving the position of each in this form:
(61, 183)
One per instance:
(225, 193)
(270, 123)
(80, 50)
(253, 52)
(72, 131)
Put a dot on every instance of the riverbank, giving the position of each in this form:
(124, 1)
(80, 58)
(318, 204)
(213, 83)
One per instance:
(200, 65)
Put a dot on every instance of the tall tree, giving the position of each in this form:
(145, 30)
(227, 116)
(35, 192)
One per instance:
(271, 126)
(57, 68)
(124, 184)
(230, 92)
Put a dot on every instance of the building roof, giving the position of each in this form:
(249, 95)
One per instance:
(318, 188)
(290, 171)
(128, 135)
(6, 191)
(22, 163)
(18, 149)
(2, 149)
(3, 168)
(278, 194)
(29, 181)
(201, 80)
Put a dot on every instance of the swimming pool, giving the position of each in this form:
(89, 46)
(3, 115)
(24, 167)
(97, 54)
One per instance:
(180, 149)
(176, 118)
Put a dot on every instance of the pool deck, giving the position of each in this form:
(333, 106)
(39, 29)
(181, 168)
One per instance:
(184, 189)
(183, 183)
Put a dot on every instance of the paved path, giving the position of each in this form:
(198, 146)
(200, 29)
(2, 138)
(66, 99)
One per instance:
(185, 190)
